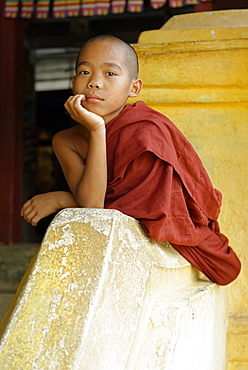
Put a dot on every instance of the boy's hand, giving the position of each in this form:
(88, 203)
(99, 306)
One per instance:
(38, 207)
(78, 113)
(43, 205)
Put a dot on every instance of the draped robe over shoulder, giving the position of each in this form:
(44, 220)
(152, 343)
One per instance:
(155, 176)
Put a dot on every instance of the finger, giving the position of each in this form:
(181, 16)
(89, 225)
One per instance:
(32, 219)
(74, 98)
(28, 214)
(79, 99)
(36, 218)
(69, 105)
(26, 203)
(68, 101)
(75, 107)
(33, 222)
(25, 207)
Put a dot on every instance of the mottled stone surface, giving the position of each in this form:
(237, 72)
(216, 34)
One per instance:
(100, 294)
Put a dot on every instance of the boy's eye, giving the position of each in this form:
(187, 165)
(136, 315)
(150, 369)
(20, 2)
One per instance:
(84, 72)
(111, 74)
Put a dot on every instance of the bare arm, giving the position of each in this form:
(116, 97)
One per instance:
(87, 181)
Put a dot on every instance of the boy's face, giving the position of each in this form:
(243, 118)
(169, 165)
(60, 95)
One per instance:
(103, 77)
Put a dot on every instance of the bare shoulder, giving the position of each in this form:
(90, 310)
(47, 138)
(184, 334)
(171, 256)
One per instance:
(73, 139)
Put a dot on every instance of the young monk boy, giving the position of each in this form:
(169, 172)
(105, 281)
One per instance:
(133, 159)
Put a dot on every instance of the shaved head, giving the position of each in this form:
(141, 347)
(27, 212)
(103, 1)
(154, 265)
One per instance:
(129, 54)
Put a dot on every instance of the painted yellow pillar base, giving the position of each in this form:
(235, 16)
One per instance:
(100, 294)
(238, 343)
(195, 71)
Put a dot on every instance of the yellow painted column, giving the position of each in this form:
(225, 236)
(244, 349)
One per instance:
(195, 71)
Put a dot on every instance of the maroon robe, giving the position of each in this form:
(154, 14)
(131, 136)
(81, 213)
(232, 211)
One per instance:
(155, 176)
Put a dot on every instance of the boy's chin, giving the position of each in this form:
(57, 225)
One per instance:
(107, 116)
(91, 109)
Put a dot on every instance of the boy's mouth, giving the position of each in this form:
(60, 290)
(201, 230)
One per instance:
(93, 98)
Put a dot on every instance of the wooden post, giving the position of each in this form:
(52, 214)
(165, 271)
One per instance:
(11, 95)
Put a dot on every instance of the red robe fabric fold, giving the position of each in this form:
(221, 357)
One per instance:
(155, 176)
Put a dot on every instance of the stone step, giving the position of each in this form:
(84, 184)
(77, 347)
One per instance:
(14, 261)
(5, 300)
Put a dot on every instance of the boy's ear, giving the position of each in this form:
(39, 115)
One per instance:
(135, 88)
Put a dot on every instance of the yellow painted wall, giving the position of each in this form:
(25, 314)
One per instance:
(195, 71)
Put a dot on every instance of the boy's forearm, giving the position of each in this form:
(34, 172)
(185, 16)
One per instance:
(65, 199)
(91, 190)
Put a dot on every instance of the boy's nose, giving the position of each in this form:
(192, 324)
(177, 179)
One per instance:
(94, 84)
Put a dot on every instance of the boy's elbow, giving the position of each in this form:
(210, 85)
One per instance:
(90, 203)
(90, 198)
